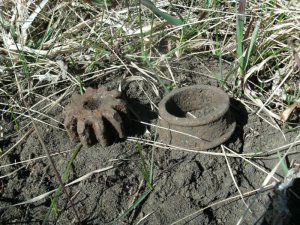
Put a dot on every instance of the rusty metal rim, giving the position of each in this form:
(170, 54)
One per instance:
(225, 137)
(193, 122)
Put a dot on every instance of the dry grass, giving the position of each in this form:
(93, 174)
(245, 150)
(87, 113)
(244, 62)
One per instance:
(49, 49)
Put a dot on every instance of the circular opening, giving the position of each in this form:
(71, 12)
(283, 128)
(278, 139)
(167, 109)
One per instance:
(195, 104)
(91, 104)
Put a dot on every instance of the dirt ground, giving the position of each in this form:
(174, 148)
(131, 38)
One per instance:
(184, 182)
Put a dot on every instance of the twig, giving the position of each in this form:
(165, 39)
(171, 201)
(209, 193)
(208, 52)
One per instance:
(233, 179)
(50, 160)
(53, 166)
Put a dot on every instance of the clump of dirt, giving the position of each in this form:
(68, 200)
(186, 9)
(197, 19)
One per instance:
(185, 183)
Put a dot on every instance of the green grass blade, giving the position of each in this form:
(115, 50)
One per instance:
(45, 38)
(14, 118)
(283, 165)
(240, 34)
(145, 57)
(143, 167)
(80, 85)
(134, 205)
(64, 177)
(170, 19)
(239, 40)
(221, 78)
(252, 44)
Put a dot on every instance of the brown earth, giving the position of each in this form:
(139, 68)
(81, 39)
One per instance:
(184, 182)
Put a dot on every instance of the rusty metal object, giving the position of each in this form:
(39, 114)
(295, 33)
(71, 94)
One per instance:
(95, 116)
(196, 117)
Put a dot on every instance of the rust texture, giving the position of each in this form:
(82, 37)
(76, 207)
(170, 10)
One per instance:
(196, 117)
(96, 116)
